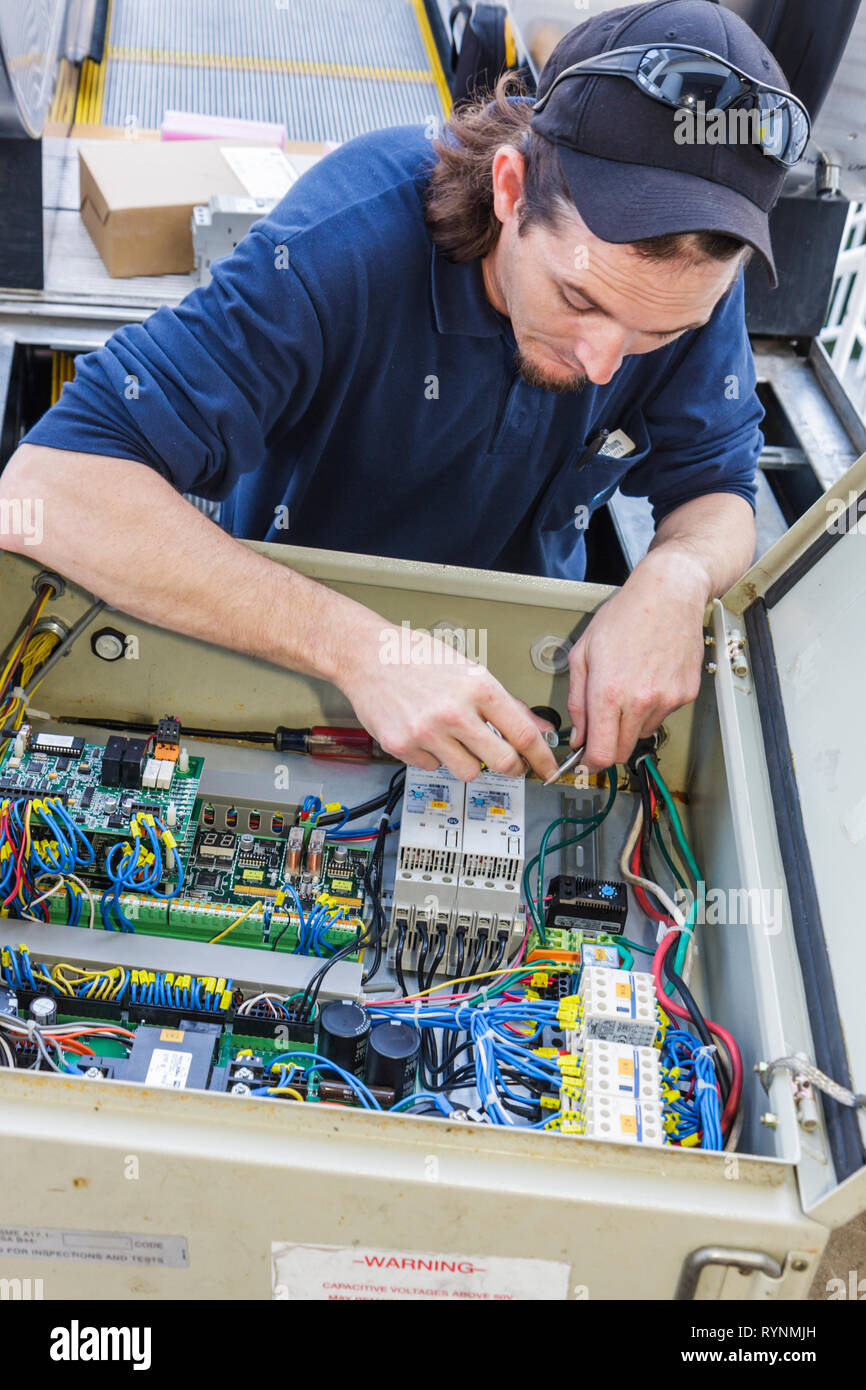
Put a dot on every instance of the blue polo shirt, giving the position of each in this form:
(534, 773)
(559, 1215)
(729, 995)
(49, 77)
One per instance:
(341, 384)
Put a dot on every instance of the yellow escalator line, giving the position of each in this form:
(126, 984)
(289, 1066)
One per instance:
(432, 55)
(288, 67)
(81, 108)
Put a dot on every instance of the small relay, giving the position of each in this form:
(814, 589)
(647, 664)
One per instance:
(587, 904)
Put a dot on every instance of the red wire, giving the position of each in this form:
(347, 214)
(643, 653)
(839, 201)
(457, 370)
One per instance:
(679, 1012)
(640, 893)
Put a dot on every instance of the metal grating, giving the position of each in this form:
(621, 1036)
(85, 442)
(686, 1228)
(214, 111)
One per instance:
(327, 69)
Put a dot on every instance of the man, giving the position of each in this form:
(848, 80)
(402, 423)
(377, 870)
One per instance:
(417, 354)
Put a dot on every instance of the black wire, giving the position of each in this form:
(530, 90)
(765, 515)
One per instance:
(360, 940)
(441, 942)
(398, 958)
(646, 825)
(446, 1066)
(697, 1018)
(479, 952)
(460, 937)
(423, 949)
(502, 942)
(371, 887)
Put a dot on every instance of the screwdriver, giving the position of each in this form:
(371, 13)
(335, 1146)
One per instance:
(324, 741)
(571, 761)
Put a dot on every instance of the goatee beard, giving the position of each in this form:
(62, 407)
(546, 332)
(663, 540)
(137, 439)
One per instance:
(534, 375)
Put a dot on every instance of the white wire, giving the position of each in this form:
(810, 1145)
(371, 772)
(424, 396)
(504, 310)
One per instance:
(657, 891)
(245, 1007)
(52, 893)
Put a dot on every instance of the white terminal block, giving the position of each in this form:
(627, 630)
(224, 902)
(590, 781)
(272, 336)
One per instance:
(494, 848)
(151, 771)
(428, 857)
(627, 1121)
(616, 1071)
(618, 1006)
(165, 772)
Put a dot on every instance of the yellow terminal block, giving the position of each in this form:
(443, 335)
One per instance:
(572, 1124)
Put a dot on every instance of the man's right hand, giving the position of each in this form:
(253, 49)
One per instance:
(435, 706)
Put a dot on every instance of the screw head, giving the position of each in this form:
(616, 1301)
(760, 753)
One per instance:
(708, 640)
(711, 668)
(799, 1265)
(769, 1119)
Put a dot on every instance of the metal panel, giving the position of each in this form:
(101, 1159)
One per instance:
(811, 527)
(232, 1175)
(820, 651)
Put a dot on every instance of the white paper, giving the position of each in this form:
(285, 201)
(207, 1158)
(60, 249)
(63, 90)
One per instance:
(352, 1272)
(263, 170)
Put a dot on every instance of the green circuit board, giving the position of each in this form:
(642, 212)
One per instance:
(93, 806)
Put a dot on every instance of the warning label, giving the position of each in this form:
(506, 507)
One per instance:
(351, 1272)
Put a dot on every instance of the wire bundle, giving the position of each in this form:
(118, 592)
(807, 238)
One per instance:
(535, 900)
(692, 1101)
(38, 838)
(53, 1042)
(26, 654)
(139, 868)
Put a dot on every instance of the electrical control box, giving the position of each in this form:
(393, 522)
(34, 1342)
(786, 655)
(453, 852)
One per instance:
(767, 775)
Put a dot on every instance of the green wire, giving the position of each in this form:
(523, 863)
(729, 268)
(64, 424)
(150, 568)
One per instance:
(683, 943)
(592, 823)
(635, 946)
(657, 830)
(675, 820)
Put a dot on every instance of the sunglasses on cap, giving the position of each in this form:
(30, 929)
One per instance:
(681, 76)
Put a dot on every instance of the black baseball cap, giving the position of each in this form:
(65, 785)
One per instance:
(627, 175)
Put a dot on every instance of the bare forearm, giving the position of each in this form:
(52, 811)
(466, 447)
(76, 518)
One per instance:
(641, 655)
(707, 544)
(119, 530)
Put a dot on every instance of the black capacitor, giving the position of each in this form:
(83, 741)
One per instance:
(344, 1028)
(392, 1057)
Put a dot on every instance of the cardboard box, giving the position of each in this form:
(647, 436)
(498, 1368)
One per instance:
(137, 198)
